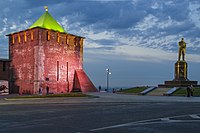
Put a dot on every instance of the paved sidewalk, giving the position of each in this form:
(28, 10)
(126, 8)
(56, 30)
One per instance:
(102, 97)
(114, 97)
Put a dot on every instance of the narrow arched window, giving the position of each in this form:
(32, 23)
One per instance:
(13, 39)
(25, 38)
(58, 73)
(66, 39)
(81, 41)
(75, 41)
(58, 37)
(31, 35)
(48, 35)
(19, 39)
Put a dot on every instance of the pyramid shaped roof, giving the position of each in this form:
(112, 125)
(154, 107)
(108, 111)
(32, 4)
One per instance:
(48, 22)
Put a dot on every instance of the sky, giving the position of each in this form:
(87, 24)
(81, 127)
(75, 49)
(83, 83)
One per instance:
(136, 39)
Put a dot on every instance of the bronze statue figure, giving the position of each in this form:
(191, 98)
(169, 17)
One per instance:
(182, 49)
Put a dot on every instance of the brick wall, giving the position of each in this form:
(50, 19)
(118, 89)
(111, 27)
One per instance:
(4, 69)
(41, 57)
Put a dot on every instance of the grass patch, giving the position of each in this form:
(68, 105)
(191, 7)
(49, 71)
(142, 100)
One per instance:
(180, 92)
(135, 90)
(183, 92)
(52, 96)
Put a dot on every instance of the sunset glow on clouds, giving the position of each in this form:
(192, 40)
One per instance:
(118, 32)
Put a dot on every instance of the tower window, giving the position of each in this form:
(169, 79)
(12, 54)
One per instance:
(81, 41)
(57, 70)
(19, 39)
(67, 71)
(13, 39)
(31, 35)
(46, 79)
(25, 38)
(48, 35)
(58, 37)
(75, 41)
(66, 39)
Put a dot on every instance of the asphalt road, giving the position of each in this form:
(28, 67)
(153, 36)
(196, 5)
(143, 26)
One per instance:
(99, 117)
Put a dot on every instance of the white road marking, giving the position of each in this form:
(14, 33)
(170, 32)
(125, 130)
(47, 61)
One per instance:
(164, 119)
(122, 125)
(152, 121)
(146, 123)
(195, 116)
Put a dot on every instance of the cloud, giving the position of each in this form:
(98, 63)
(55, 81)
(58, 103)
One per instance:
(194, 8)
(136, 53)
(5, 20)
(2, 31)
(148, 22)
(111, 25)
(13, 27)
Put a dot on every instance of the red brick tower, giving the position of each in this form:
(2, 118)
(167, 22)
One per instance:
(45, 55)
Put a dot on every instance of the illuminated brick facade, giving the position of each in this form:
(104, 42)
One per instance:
(45, 57)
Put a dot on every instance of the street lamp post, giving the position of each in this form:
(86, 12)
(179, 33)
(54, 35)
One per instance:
(107, 77)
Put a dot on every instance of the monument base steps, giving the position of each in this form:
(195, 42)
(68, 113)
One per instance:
(158, 92)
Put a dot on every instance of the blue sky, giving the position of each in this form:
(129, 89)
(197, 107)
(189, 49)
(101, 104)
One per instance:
(136, 39)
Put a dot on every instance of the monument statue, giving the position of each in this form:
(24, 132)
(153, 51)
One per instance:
(182, 49)
(180, 70)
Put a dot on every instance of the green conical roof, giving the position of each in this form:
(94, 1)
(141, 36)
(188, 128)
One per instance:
(48, 22)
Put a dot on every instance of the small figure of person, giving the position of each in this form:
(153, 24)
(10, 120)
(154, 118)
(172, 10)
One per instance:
(188, 91)
(99, 88)
(182, 49)
(47, 90)
(40, 90)
(113, 90)
(191, 90)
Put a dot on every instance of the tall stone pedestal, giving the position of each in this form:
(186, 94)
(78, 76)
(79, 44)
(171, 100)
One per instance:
(180, 72)
(180, 77)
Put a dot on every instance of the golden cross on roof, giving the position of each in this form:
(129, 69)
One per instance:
(46, 8)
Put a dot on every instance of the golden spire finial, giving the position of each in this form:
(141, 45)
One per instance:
(46, 8)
